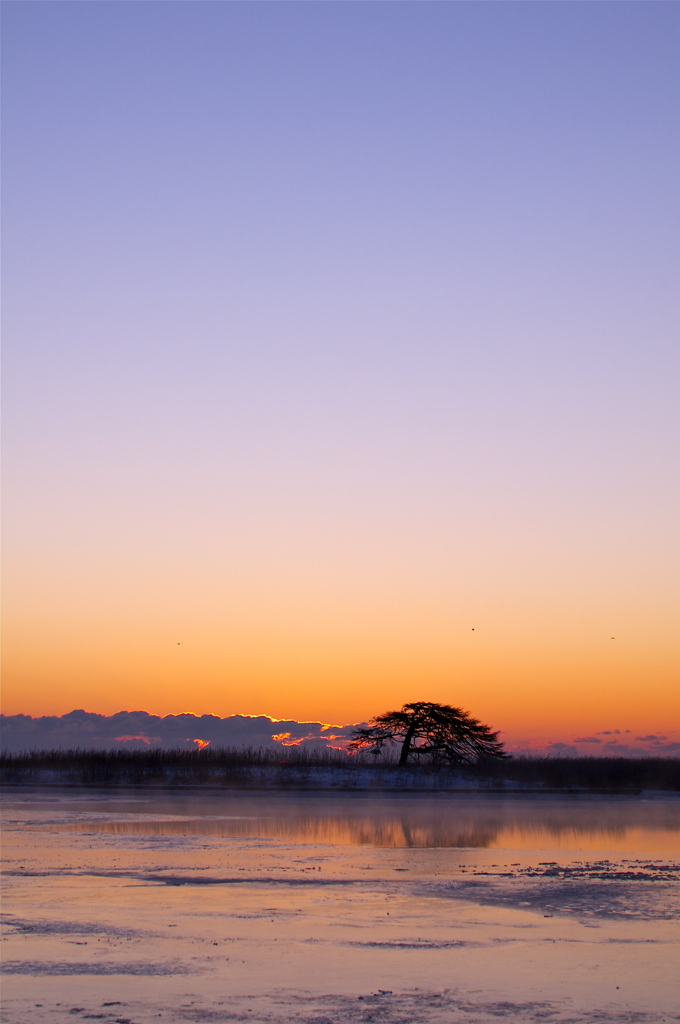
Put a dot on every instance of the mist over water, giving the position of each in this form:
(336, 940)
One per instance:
(493, 822)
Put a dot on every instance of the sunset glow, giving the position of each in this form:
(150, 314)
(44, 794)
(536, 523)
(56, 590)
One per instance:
(341, 363)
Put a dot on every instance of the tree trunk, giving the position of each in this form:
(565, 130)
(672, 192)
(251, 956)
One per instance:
(406, 746)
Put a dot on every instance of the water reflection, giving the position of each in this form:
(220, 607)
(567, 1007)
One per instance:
(397, 832)
(470, 822)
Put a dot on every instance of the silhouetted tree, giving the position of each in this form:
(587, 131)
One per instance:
(435, 732)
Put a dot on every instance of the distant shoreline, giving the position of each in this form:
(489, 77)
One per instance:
(472, 792)
(332, 772)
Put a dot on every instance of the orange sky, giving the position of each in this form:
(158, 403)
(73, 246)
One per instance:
(340, 361)
(343, 640)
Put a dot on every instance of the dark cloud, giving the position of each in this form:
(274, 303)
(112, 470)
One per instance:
(138, 730)
(654, 745)
(656, 749)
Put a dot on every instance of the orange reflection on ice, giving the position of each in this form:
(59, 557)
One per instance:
(515, 824)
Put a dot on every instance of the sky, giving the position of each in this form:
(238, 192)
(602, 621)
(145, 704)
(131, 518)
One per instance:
(341, 361)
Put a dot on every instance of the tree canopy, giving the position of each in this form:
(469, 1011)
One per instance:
(431, 732)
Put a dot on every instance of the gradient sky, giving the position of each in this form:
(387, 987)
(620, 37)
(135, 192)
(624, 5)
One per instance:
(341, 360)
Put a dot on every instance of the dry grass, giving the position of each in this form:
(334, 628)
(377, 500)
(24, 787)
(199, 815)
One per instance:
(227, 766)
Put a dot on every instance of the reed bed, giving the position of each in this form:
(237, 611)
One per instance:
(266, 766)
(613, 774)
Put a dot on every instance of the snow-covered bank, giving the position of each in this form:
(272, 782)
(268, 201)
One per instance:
(285, 776)
(255, 772)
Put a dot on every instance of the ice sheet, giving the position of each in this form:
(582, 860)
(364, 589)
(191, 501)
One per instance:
(168, 907)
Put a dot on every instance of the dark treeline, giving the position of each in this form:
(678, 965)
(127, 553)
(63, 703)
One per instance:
(162, 759)
(290, 766)
(121, 767)
(615, 774)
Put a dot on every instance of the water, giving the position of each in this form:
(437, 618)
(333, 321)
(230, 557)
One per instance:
(593, 824)
(142, 906)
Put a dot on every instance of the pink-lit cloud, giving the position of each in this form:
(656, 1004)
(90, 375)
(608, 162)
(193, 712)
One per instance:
(86, 730)
(129, 729)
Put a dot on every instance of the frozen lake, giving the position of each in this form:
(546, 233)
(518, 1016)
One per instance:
(139, 906)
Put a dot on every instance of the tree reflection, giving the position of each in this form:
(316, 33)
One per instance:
(393, 823)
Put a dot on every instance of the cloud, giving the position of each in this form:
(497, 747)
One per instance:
(653, 745)
(133, 739)
(657, 749)
(138, 730)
